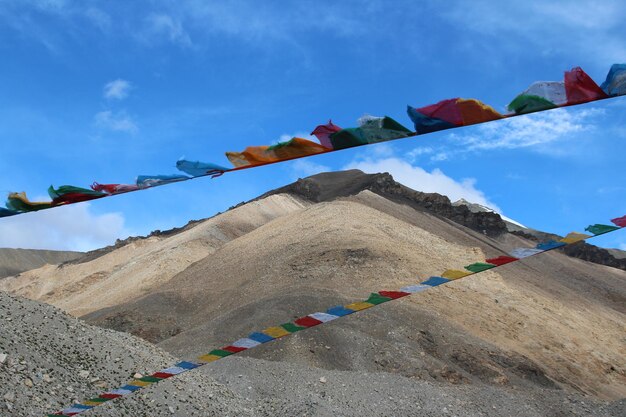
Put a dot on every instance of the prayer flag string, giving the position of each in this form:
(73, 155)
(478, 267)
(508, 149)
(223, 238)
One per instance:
(576, 88)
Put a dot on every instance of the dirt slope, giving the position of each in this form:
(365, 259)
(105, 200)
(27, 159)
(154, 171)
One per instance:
(134, 269)
(14, 261)
(48, 360)
(550, 322)
(519, 327)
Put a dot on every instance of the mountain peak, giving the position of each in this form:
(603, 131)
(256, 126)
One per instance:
(329, 186)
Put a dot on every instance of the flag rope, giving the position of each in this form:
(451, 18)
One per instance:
(577, 88)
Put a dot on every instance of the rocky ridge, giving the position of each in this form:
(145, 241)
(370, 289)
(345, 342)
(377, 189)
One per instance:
(15, 261)
(332, 185)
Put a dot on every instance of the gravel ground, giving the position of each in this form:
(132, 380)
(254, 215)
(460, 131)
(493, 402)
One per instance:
(49, 360)
(288, 390)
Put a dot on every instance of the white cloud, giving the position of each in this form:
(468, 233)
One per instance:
(286, 136)
(380, 150)
(99, 18)
(529, 130)
(179, 22)
(440, 156)
(592, 29)
(305, 168)
(73, 227)
(118, 122)
(556, 132)
(261, 21)
(622, 246)
(302, 167)
(611, 190)
(117, 89)
(421, 180)
(419, 151)
(165, 26)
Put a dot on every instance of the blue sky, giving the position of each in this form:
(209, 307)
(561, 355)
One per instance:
(106, 90)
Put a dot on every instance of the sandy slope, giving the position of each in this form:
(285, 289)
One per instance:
(551, 322)
(530, 316)
(50, 360)
(134, 269)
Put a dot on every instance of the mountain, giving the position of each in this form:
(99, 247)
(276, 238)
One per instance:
(333, 185)
(581, 250)
(49, 359)
(330, 186)
(14, 261)
(127, 271)
(511, 225)
(550, 325)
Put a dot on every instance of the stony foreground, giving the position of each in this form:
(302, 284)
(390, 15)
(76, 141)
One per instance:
(539, 337)
(49, 359)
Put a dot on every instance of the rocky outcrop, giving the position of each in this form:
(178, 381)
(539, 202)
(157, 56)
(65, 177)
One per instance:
(580, 250)
(591, 253)
(332, 185)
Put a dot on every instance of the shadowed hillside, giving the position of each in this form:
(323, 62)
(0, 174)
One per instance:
(14, 261)
(551, 323)
(48, 360)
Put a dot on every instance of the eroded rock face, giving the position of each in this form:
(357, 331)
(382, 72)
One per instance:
(591, 253)
(332, 185)
(580, 250)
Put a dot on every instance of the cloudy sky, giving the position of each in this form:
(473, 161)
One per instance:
(103, 91)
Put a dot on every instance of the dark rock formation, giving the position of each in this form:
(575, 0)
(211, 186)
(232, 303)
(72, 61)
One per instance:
(331, 185)
(580, 250)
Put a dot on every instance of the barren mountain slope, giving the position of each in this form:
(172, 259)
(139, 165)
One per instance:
(49, 360)
(329, 186)
(521, 326)
(132, 270)
(550, 321)
(14, 261)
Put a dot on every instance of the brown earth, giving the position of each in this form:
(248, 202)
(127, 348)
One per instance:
(132, 270)
(549, 322)
(49, 360)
